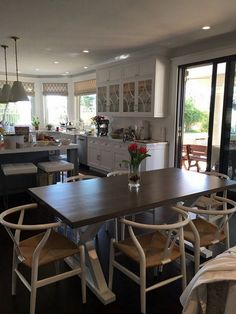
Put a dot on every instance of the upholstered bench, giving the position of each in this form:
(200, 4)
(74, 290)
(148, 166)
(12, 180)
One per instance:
(16, 169)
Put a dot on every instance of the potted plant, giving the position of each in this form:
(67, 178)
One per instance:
(49, 126)
(35, 122)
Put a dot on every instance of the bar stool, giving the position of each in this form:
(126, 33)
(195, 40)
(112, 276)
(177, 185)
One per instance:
(52, 167)
(16, 169)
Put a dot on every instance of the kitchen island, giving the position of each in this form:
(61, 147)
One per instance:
(35, 154)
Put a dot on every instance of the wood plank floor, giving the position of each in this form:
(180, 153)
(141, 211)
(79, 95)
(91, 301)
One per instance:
(65, 297)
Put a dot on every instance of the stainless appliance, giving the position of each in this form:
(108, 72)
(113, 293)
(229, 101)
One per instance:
(81, 140)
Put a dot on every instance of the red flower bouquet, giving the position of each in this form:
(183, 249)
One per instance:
(137, 155)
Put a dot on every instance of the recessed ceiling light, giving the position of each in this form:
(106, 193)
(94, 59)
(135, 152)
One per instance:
(85, 67)
(56, 62)
(206, 27)
(67, 72)
(86, 51)
(36, 69)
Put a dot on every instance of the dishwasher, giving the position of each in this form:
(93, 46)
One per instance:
(81, 140)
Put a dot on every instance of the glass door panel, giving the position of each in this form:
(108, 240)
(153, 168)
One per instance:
(232, 141)
(196, 112)
(114, 97)
(128, 96)
(145, 96)
(102, 99)
(218, 114)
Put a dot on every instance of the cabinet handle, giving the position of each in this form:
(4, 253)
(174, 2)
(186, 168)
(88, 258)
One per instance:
(98, 157)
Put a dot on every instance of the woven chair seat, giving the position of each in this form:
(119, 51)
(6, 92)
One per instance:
(204, 202)
(57, 247)
(206, 230)
(153, 245)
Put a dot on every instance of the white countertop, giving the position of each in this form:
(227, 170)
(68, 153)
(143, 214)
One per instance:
(32, 149)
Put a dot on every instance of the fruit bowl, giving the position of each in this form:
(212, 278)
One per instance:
(42, 143)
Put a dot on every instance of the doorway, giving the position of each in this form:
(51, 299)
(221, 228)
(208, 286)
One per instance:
(203, 111)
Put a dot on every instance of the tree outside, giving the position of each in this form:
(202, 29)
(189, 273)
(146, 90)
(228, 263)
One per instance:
(195, 120)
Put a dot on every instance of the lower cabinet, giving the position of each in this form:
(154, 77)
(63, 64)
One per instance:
(108, 155)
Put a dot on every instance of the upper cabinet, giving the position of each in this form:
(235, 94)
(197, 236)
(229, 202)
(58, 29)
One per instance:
(133, 89)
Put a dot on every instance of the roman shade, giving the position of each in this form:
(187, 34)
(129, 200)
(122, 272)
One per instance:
(85, 87)
(59, 89)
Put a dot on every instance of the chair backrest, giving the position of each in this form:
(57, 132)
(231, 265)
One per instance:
(220, 176)
(228, 209)
(172, 231)
(79, 177)
(19, 226)
(117, 173)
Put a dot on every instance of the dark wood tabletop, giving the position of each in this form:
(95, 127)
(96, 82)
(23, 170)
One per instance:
(95, 200)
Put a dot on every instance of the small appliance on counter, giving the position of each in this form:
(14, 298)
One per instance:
(142, 130)
(13, 141)
(102, 127)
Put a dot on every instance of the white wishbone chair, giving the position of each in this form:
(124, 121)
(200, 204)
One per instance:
(163, 245)
(41, 249)
(209, 233)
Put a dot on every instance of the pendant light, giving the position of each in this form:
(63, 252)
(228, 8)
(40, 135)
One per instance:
(6, 90)
(18, 92)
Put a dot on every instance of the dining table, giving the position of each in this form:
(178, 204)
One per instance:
(92, 202)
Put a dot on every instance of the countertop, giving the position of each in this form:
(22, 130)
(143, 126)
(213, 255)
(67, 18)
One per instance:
(31, 149)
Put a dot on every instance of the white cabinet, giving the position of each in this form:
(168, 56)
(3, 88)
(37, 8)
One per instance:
(120, 153)
(134, 89)
(107, 155)
(93, 153)
(100, 154)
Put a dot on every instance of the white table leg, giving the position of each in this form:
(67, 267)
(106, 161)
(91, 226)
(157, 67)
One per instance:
(94, 274)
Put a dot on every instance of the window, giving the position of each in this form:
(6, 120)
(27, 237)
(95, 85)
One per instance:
(17, 113)
(87, 108)
(56, 109)
(85, 95)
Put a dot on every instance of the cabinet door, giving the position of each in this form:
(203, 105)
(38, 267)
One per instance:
(114, 98)
(115, 74)
(102, 75)
(106, 159)
(93, 153)
(131, 70)
(145, 95)
(129, 97)
(120, 154)
(118, 158)
(102, 98)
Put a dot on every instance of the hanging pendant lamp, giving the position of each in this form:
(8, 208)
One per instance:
(6, 90)
(18, 92)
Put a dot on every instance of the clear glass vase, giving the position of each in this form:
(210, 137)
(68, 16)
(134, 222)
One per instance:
(134, 176)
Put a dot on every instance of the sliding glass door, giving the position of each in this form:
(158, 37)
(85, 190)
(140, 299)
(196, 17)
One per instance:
(206, 118)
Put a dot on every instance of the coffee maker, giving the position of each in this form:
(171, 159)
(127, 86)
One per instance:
(102, 127)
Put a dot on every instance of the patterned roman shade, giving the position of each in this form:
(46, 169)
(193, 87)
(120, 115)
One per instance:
(85, 87)
(28, 86)
(60, 89)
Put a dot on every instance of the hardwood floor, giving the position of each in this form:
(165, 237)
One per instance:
(65, 297)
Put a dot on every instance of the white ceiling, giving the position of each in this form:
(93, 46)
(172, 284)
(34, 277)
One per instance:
(59, 30)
